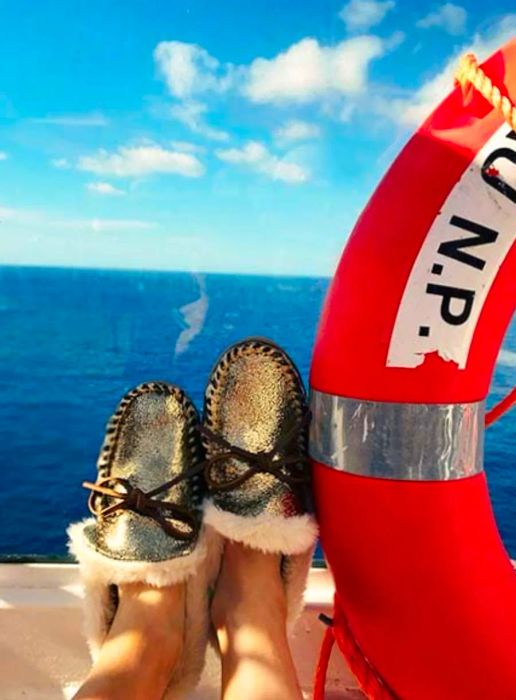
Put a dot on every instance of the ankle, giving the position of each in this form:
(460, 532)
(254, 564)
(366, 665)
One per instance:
(147, 619)
(155, 618)
(249, 591)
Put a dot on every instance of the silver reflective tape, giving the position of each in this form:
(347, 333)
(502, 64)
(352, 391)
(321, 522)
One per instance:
(420, 442)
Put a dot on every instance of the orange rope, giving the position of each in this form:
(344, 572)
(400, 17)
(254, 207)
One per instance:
(322, 664)
(370, 682)
(500, 408)
(470, 74)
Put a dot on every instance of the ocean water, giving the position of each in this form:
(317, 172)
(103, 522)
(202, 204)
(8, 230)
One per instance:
(72, 342)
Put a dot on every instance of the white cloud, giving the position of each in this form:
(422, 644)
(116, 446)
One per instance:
(307, 71)
(297, 130)
(361, 15)
(304, 72)
(20, 216)
(411, 111)
(346, 112)
(100, 225)
(145, 159)
(61, 163)
(188, 69)
(452, 18)
(255, 156)
(8, 214)
(3, 155)
(89, 119)
(187, 147)
(44, 221)
(252, 152)
(190, 113)
(104, 188)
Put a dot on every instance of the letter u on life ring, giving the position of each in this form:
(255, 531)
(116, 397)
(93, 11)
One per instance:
(405, 351)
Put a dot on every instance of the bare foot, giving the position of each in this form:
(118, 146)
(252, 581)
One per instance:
(249, 613)
(142, 648)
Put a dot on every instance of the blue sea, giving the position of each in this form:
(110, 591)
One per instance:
(72, 342)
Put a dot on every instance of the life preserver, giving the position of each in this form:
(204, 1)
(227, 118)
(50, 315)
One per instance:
(425, 605)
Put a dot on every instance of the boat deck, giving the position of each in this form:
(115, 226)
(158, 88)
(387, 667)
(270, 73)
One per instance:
(43, 655)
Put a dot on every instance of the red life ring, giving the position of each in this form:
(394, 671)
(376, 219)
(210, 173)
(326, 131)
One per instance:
(425, 605)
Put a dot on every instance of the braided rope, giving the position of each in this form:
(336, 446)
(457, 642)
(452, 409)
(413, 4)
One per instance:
(502, 407)
(370, 682)
(469, 73)
(322, 665)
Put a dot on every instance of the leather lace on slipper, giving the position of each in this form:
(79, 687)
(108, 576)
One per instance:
(271, 462)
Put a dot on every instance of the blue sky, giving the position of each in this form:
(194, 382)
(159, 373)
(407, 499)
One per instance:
(228, 136)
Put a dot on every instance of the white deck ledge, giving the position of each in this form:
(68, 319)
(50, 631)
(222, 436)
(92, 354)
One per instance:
(43, 655)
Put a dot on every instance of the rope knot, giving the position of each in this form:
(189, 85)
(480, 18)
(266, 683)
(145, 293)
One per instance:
(275, 462)
(470, 76)
(137, 500)
(122, 495)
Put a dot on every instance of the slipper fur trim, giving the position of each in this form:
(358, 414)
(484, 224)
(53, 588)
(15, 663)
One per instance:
(266, 532)
(96, 566)
(199, 570)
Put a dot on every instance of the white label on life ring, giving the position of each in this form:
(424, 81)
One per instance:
(459, 259)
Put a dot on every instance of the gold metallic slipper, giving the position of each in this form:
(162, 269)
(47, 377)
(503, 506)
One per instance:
(147, 528)
(258, 474)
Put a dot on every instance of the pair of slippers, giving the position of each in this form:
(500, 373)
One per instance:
(170, 489)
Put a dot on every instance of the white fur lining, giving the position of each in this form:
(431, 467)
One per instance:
(198, 570)
(268, 533)
(103, 569)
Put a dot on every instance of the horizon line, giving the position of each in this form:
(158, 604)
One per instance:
(169, 271)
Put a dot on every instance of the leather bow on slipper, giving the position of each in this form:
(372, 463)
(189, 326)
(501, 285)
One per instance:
(265, 462)
(144, 503)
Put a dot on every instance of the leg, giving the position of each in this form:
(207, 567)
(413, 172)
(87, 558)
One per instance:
(142, 647)
(249, 615)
